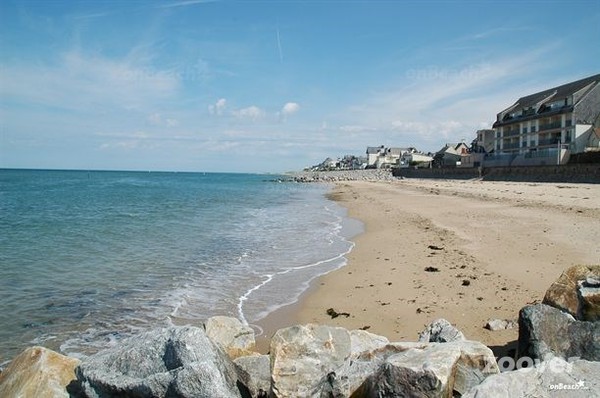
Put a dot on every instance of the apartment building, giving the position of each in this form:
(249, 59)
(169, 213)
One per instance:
(551, 123)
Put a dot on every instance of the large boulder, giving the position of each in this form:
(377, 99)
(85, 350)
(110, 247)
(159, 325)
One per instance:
(436, 370)
(175, 361)
(577, 292)
(38, 372)
(303, 356)
(321, 361)
(440, 331)
(545, 330)
(553, 378)
(254, 374)
(233, 336)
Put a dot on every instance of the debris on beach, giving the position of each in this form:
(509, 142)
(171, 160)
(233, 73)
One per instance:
(334, 314)
(432, 269)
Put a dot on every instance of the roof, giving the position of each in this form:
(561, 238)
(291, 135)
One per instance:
(537, 100)
(557, 93)
(374, 150)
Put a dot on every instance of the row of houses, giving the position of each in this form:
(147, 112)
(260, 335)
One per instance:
(544, 128)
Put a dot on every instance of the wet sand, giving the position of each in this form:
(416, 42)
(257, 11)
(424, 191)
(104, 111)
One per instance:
(466, 251)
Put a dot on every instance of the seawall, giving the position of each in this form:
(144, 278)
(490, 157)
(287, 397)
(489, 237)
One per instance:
(578, 173)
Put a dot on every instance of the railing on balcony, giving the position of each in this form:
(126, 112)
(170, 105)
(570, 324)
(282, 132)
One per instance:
(548, 126)
(549, 141)
(510, 133)
(511, 146)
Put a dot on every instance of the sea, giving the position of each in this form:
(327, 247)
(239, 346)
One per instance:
(88, 258)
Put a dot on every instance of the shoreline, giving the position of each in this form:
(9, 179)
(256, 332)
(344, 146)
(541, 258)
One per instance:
(508, 240)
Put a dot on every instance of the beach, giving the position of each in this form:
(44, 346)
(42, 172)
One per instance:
(466, 251)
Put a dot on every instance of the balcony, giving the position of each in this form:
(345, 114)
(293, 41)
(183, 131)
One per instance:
(511, 146)
(511, 133)
(549, 141)
(549, 126)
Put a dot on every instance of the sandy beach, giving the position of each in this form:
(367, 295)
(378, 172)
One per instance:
(466, 251)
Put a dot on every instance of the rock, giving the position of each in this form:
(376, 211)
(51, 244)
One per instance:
(363, 342)
(38, 372)
(553, 378)
(588, 293)
(254, 373)
(303, 356)
(500, 324)
(235, 338)
(175, 361)
(440, 331)
(564, 293)
(437, 370)
(545, 330)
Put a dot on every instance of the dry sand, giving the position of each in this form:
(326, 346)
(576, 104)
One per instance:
(497, 246)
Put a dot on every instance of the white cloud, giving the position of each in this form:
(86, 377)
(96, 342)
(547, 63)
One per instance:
(83, 82)
(253, 113)
(218, 107)
(290, 108)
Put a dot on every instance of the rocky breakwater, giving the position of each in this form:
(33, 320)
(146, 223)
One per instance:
(304, 361)
(344, 175)
(558, 356)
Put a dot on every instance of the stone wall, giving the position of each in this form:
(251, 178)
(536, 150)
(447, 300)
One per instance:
(577, 173)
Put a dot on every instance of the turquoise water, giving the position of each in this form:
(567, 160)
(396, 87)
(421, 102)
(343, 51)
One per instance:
(87, 258)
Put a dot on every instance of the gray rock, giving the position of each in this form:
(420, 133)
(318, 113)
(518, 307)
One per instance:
(437, 370)
(235, 338)
(500, 324)
(440, 331)
(254, 373)
(545, 330)
(553, 378)
(303, 356)
(175, 361)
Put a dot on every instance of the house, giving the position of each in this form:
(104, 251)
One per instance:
(415, 159)
(545, 127)
(450, 155)
(382, 157)
(483, 144)
(373, 153)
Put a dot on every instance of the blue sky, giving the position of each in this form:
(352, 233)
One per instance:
(270, 86)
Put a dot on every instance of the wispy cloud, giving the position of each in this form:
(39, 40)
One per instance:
(218, 107)
(184, 3)
(434, 104)
(80, 81)
(252, 113)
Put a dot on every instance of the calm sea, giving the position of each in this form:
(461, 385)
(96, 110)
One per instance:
(87, 258)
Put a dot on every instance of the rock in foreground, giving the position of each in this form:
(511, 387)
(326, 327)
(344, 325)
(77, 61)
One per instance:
(171, 362)
(547, 331)
(38, 372)
(577, 291)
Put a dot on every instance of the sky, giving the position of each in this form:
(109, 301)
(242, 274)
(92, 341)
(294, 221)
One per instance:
(270, 86)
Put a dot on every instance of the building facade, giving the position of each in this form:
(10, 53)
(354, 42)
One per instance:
(540, 125)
